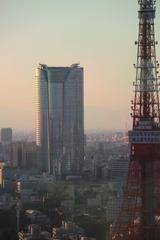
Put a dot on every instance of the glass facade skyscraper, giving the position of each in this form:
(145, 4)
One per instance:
(60, 119)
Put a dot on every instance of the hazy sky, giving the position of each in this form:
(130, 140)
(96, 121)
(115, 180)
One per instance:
(99, 34)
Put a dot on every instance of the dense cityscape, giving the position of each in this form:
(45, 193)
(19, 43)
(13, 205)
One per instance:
(61, 181)
(75, 207)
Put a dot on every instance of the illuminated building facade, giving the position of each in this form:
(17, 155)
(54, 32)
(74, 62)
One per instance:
(59, 119)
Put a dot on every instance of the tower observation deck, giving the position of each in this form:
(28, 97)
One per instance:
(139, 218)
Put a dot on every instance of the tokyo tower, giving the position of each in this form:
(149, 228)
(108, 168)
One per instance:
(139, 217)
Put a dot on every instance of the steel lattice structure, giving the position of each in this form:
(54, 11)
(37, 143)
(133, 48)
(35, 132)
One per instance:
(139, 218)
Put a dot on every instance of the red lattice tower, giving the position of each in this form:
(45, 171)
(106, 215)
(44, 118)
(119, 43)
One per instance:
(139, 218)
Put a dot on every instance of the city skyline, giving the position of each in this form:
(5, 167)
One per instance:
(92, 34)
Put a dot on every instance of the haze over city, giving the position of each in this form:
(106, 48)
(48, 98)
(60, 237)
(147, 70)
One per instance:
(99, 34)
(80, 120)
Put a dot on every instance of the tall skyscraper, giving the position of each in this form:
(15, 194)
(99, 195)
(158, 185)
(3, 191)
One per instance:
(6, 135)
(60, 119)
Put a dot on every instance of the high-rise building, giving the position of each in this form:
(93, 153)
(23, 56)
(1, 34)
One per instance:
(6, 135)
(118, 168)
(59, 119)
(6, 145)
(24, 154)
(1, 175)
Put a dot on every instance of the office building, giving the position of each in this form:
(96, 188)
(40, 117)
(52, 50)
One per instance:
(1, 174)
(6, 145)
(59, 119)
(6, 135)
(24, 154)
(118, 168)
